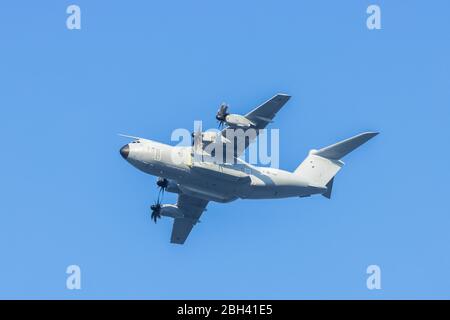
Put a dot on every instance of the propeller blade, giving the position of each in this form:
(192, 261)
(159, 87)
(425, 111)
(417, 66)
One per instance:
(162, 184)
(222, 113)
(156, 209)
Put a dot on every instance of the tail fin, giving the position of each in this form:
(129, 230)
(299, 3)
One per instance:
(320, 166)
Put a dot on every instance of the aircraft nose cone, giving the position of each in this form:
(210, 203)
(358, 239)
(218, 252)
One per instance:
(124, 151)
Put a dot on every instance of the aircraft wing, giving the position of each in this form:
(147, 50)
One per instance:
(261, 116)
(192, 208)
(264, 114)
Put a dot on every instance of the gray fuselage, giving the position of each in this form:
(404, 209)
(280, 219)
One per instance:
(211, 181)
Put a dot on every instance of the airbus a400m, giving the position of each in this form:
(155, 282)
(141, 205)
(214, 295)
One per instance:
(199, 182)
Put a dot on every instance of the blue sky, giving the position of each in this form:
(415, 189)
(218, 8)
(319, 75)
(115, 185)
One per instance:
(147, 67)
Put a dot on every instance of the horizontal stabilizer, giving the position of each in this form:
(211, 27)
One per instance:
(339, 150)
(329, 188)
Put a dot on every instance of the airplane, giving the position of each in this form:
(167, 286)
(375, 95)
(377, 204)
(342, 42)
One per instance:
(199, 182)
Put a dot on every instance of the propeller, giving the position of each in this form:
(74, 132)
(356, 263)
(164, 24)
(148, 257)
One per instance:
(222, 114)
(162, 184)
(193, 135)
(156, 211)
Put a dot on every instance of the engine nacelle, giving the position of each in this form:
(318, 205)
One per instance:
(209, 136)
(232, 120)
(171, 211)
(172, 187)
(213, 137)
(168, 185)
(237, 120)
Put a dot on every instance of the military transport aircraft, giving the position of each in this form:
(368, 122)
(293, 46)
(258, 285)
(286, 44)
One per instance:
(198, 182)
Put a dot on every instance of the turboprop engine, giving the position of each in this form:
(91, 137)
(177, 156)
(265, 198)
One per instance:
(165, 210)
(232, 120)
(167, 185)
(209, 137)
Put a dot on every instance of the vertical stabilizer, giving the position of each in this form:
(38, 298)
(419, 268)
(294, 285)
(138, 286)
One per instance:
(320, 166)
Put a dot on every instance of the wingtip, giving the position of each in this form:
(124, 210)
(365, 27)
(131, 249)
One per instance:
(282, 97)
(372, 133)
(369, 134)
